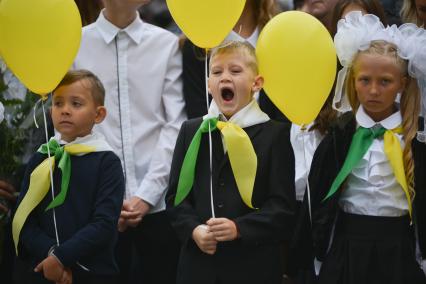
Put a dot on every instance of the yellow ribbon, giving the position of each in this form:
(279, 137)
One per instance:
(242, 157)
(393, 151)
(38, 188)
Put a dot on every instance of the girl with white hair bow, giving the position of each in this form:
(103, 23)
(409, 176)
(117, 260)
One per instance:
(368, 181)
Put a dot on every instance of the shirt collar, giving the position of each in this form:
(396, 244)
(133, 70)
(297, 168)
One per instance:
(93, 139)
(58, 137)
(391, 122)
(252, 39)
(249, 115)
(108, 30)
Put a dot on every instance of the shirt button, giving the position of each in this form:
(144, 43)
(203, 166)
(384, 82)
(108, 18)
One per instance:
(221, 183)
(220, 205)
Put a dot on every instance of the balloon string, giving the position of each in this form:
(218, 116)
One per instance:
(206, 78)
(34, 112)
(51, 173)
(308, 189)
(241, 28)
(210, 134)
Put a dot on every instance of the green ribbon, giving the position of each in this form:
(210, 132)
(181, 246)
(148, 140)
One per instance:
(64, 165)
(361, 142)
(187, 172)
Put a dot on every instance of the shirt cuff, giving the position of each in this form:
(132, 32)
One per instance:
(52, 253)
(150, 192)
(424, 266)
(317, 266)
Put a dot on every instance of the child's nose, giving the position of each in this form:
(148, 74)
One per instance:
(374, 90)
(225, 77)
(65, 109)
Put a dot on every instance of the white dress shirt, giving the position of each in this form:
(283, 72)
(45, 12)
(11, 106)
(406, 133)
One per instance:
(371, 187)
(304, 144)
(140, 67)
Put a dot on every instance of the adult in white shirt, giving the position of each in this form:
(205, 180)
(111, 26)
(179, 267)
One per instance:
(140, 66)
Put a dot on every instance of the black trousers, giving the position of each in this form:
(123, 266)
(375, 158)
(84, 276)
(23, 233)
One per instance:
(150, 247)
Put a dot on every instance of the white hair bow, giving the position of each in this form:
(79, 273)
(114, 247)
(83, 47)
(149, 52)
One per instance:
(356, 31)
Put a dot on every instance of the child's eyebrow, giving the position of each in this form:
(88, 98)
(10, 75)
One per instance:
(57, 97)
(77, 97)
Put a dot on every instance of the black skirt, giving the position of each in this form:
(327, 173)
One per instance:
(372, 250)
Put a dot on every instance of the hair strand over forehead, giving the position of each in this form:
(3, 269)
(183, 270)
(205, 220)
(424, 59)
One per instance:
(238, 47)
(96, 87)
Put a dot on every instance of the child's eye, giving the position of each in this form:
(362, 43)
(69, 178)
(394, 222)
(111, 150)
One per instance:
(216, 72)
(385, 82)
(77, 104)
(363, 80)
(236, 71)
(57, 104)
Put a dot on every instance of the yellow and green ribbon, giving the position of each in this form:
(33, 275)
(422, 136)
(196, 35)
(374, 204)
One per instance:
(361, 142)
(40, 181)
(241, 154)
(394, 152)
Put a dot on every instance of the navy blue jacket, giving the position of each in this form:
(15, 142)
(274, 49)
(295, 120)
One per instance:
(86, 221)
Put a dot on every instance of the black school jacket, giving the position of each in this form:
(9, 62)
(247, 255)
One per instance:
(328, 160)
(255, 257)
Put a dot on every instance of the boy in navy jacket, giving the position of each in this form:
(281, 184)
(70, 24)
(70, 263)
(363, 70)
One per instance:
(67, 234)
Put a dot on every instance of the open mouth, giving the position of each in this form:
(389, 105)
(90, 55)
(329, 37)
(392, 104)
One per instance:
(227, 94)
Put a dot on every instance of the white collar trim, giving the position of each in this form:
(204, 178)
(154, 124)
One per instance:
(249, 115)
(391, 122)
(108, 30)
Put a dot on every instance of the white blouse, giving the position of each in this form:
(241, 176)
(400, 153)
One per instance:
(371, 187)
(304, 144)
(252, 39)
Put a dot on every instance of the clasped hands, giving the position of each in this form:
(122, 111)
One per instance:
(215, 230)
(132, 212)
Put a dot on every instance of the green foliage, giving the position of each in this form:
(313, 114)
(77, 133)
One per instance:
(12, 135)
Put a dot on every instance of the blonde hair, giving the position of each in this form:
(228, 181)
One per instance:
(243, 48)
(409, 104)
(409, 13)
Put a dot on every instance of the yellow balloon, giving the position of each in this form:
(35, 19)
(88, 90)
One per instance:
(39, 40)
(297, 58)
(206, 22)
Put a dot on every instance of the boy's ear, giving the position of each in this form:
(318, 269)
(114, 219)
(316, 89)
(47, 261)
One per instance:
(257, 84)
(208, 85)
(101, 113)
